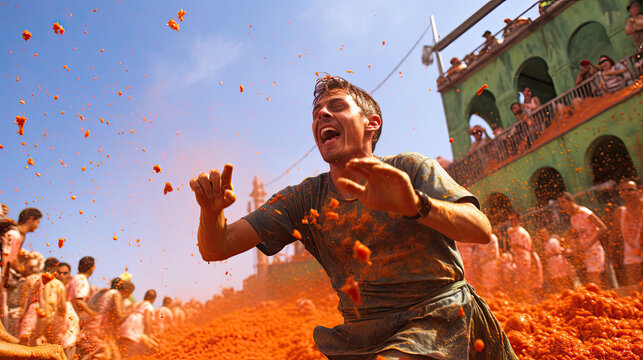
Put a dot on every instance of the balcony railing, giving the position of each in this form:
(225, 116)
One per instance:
(521, 136)
(485, 51)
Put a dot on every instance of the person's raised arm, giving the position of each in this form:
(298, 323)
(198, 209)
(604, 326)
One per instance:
(602, 228)
(633, 25)
(216, 239)
(390, 189)
(82, 305)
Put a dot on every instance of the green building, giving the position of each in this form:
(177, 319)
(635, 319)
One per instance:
(578, 140)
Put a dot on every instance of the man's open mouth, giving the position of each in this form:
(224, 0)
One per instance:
(328, 133)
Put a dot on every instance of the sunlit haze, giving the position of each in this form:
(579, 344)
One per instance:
(150, 95)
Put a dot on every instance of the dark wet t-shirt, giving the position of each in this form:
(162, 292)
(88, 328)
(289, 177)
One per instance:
(410, 261)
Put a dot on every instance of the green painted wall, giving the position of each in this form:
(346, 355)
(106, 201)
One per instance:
(569, 155)
(551, 42)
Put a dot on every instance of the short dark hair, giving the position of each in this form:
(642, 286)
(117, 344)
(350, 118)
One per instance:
(120, 284)
(51, 264)
(85, 264)
(150, 295)
(167, 301)
(606, 58)
(512, 105)
(329, 84)
(29, 213)
(65, 264)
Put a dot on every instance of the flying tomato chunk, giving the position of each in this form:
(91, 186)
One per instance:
(331, 215)
(61, 242)
(47, 277)
(180, 14)
(351, 288)
(157, 168)
(296, 234)
(20, 121)
(168, 188)
(31, 162)
(334, 203)
(41, 313)
(362, 253)
(26, 35)
(86, 134)
(173, 25)
(478, 345)
(482, 89)
(241, 88)
(58, 29)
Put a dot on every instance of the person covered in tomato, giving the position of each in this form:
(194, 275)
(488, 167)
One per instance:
(628, 225)
(69, 327)
(13, 256)
(135, 333)
(529, 275)
(79, 289)
(589, 228)
(98, 336)
(414, 300)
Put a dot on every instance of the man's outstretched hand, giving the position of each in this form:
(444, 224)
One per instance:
(386, 189)
(214, 191)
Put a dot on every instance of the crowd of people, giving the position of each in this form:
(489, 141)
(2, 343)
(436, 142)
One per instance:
(608, 77)
(614, 73)
(567, 256)
(49, 314)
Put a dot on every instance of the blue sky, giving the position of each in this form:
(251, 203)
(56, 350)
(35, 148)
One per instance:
(181, 107)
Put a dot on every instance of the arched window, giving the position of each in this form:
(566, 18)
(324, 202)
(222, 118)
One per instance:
(484, 106)
(547, 183)
(588, 42)
(609, 159)
(534, 74)
(497, 206)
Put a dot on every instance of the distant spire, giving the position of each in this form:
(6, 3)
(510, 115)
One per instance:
(258, 193)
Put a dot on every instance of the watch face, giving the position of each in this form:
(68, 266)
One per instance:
(426, 204)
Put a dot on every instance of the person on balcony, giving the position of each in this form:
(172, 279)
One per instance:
(480, 138)
(519, 112)
(589, 228)
(489, 43)
(456, 66)
(512, 25)
(496, 129)
(587, 70)
(634, 23)
(471, 58)
(519, 135)
(531, 103)
(613, 73)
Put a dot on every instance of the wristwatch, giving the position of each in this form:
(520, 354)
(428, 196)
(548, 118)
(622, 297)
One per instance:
(425, 206)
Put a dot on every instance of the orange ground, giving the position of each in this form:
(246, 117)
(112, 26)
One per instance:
(583, 324)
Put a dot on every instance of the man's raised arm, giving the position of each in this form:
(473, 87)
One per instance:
(216, 239)
(390, 189)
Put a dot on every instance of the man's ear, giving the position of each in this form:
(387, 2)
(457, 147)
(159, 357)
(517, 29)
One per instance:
(373, 122)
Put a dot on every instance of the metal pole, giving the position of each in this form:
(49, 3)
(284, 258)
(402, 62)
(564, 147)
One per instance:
(435, 41)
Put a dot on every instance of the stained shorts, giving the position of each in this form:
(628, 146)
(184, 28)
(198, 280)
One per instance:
(433, 329)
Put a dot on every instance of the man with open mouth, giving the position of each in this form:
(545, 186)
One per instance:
(412, 300)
